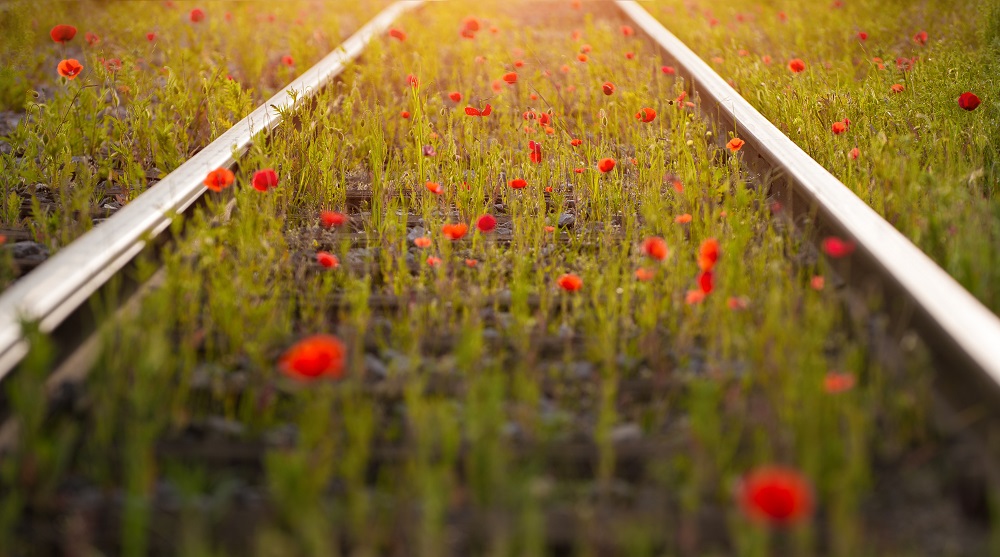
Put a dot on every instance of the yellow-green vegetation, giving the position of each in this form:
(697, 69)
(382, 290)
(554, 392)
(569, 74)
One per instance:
(155, 88)
(480, 400)
(929, 167)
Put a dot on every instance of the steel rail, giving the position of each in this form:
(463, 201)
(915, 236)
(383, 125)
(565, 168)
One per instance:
(962, 333)
(61, 285)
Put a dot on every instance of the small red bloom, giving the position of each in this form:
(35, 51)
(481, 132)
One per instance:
(737, 303)
(669, 70)
(219, 179)
(397, 34)
(629, 55)
(968, 101)
(197, 15)
(576, 142)
(332, 219)
(837, 248)
(91, 38)
(838, 128)
(836, 382)
(570, 282)
(608, 88)
(422, 242)
(627, 31)
(735, 144)
(796, 65)
(655, 247)
(471, 262)
(405, 115)
(150, 37)
(486, 223)
(863, 36)
(817, 282)
(434, 188)
(694, 297)
(472, 111)
(510, 78)
(606, 165)
(327, 259)
(684, 218)
(536, 151)
(69, 68)
(775, 495)
(62, 33)
(455, 96)
(708, 254)
(897, 88)
(412, 81)
(313, 357)
(264, 179)
(920, 37)
(646, 115)
(454, 231)
(644, 275)
(287, 60)
(706, 281)
(518, 183)
(433, 261)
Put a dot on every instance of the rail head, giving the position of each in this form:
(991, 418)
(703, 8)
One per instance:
(61, 285)
(961, 330)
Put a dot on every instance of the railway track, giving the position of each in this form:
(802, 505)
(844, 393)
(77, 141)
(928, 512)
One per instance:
(487, 405)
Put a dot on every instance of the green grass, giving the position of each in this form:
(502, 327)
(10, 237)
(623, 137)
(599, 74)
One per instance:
(930, 168)
(483, 403)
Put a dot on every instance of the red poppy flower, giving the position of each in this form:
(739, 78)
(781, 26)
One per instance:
(578, 170)
(313, 357)
(405, 115)
(510, 78)
(69, 68)
(837, 248)
(735, 144)
(264, 179)
(644, 275)
(454, 231)
(708, 254)
(775, 495)
(434, 188)
(836, 382)
(904, 64)
(576, 142)
(332, 219)
(694, 297)
(518, 183)
(570, 282)
(817, 282)
(796, 65)
(91, 38)
(412, 81)
(606, 165)
(455, 96)
(582, 57)
(655, 247)
(472, 111)
(920, 37)
(150, 37)
(898, 88)
(422, 242)
(62, 33)
(863, 36)
(471, 262)
(486, 223)
(627, 31)
(397, 34)
(646, 115)
(838, 128)
(287, 60)
(968, 101)
(706, 281)
(629, 55)
(536, 151)
(197, 15)
(684, 218)
(669, 70)
(219, 179)
(112, 65)
(327, 259)
(433, 261)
